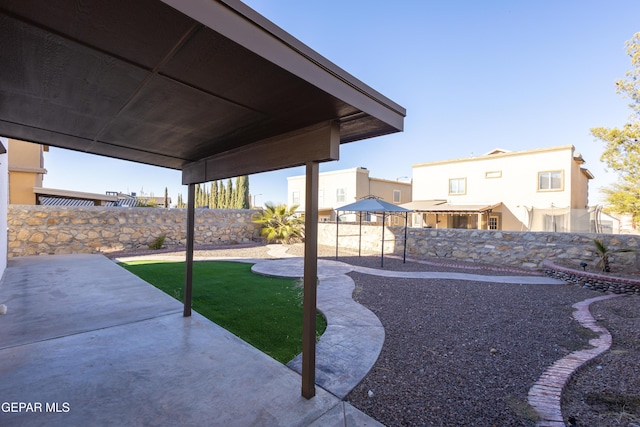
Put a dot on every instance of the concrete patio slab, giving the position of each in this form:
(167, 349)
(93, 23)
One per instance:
(50, 297)
(87, 357)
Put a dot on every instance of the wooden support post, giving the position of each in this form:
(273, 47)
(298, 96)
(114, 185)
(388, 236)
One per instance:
(310, 282)
(188, 277)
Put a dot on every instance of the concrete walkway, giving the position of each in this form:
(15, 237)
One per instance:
(353, 340)
(84, 342)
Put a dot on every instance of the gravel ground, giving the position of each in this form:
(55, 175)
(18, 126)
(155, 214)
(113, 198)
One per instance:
(462, 353)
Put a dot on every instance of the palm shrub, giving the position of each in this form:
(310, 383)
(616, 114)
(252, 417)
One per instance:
(280, 223)
(604, 252)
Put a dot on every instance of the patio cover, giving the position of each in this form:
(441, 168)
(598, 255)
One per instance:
(372, 204)
(442, 207)
(209, 87)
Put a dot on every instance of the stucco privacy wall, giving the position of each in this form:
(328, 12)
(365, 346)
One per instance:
(4, 200)
(513, 248)
(38, 230)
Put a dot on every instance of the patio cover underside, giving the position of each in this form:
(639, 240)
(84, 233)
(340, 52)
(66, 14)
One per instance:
(171, 82)
(209, 87)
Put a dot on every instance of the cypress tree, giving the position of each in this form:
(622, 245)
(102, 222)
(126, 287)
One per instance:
(242, 192)
(228, 195)
(213, 197)
(220, 195)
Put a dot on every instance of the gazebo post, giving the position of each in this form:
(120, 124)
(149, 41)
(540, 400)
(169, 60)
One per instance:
(310, 282)
(382, 257)
(337, 222)
(188, 277)
(406, 223)
(360, 234)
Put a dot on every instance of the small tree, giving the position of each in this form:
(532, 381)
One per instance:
(622, 150)
(604, 252)
(280, 224)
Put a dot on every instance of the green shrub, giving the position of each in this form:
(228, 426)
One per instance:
(157, 243)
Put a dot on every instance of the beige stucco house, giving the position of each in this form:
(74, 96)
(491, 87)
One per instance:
(26, 173)
(26, 170)
(545, 189)
(342, 187)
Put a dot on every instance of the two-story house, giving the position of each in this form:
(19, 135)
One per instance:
(26, 170)
(544, 189)
(26, 173)
(341, 187)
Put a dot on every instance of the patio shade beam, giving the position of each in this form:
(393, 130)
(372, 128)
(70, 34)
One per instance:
(318, 143)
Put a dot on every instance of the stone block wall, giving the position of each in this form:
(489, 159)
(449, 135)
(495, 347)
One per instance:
(512, 248)
(40, 230)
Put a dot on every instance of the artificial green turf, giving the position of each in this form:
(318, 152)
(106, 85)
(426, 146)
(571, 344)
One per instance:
(264, 311)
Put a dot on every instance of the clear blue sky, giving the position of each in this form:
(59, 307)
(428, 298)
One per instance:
(473, 76)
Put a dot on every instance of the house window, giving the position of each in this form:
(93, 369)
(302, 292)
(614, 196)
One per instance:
(494, 223)
(396, 196)
(458, 186)
(549, 181)
(340, 195)
(295, 198)
(493, 174)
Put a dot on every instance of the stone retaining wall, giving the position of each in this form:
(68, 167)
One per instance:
(35, 230)
(39, 230)
(513, 248)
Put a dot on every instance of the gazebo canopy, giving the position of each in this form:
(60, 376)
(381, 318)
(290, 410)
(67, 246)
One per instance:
(373, 204)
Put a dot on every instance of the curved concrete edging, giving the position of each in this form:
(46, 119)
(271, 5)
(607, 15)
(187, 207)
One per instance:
(353, 340)
(546, 393)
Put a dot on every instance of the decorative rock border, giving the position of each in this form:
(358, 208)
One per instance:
(593, 281)
(546, 393)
